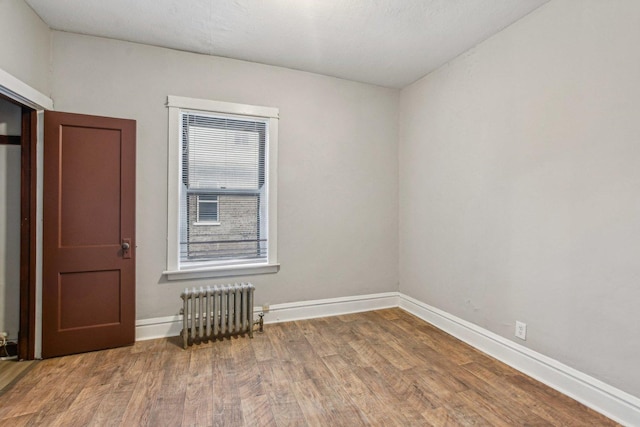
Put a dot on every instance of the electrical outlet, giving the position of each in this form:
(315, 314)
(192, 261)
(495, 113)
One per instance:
(265, 308)
(521, 330)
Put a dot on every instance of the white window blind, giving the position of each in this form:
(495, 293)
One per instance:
(223, 159)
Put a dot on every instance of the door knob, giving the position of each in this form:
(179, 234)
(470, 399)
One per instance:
(126, 248)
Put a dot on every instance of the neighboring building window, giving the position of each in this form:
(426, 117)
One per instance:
(207, 209)
(226, 195)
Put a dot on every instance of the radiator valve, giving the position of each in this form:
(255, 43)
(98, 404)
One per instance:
(260, 322)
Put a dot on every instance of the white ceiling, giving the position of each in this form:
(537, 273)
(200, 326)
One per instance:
(385, 42)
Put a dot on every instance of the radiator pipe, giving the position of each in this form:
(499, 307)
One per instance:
(185, 330)
(260, 322)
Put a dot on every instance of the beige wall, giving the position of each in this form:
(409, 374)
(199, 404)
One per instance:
(519, 186)
(338, 172)
(25, 45)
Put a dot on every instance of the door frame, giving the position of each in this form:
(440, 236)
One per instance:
(31, 102)
(28, 189)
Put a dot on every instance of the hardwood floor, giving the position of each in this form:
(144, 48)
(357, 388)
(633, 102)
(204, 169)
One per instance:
(12, 370)
(376, 368)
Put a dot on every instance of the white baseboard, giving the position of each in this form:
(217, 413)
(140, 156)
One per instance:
(170, 326)
(329, 307)
(609, 401)
(158, 327)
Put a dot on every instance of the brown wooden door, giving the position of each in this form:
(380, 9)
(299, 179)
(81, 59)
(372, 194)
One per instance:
(88, 292)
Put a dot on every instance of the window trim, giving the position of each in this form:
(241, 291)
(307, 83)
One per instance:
(174, 271)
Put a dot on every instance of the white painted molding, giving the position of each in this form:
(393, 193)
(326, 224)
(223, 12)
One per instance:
(221, 107)
(610, 401)
(158, 327)
(222, 271)
(170, 326)
(328, 307)
(19, 91)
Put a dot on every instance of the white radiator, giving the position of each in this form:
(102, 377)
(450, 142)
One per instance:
(216, 312)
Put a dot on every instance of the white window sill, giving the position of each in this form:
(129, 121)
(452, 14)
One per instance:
(206, 223)
(222, 271)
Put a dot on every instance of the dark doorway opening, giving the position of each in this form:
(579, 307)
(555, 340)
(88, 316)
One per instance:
(27, 301)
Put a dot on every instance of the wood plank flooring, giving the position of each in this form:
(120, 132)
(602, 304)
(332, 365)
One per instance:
(377, 368)
(12, 370)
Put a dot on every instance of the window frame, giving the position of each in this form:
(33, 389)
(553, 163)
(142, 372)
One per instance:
(175, 270)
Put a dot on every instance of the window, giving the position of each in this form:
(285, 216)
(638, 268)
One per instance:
(207, 210)
(222, 198)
